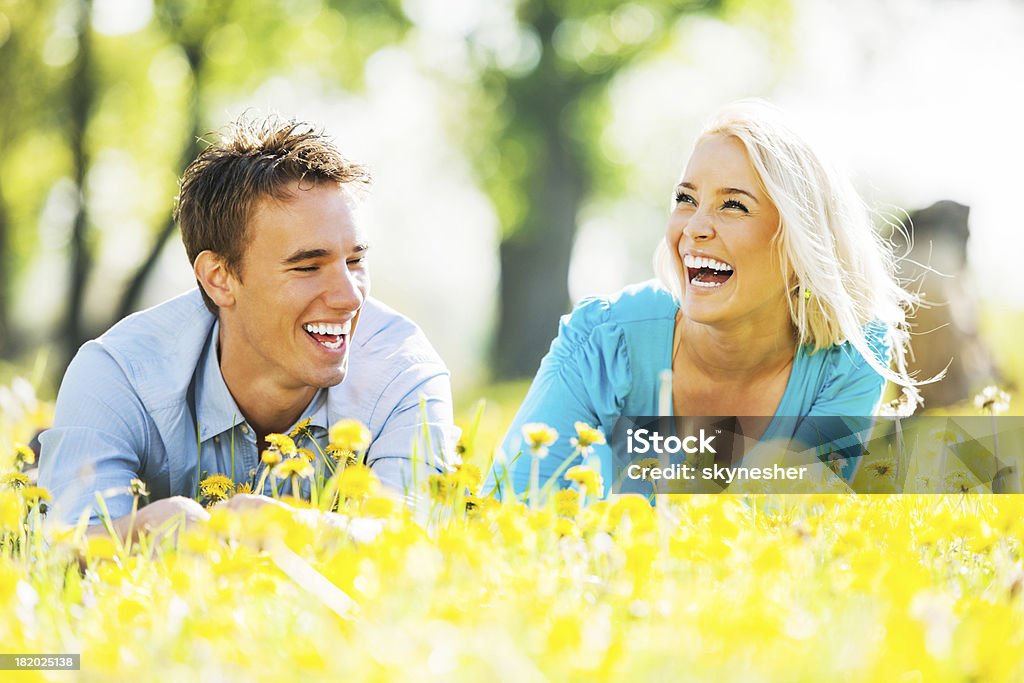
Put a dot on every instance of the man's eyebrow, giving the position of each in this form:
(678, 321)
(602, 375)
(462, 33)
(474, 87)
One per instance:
(724, 190)
(305, 255)
(309, 254)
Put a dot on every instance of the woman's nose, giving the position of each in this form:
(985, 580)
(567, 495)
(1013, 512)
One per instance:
(699, 227)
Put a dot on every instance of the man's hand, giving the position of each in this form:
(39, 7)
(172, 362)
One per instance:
(154, 516)
(245, 502)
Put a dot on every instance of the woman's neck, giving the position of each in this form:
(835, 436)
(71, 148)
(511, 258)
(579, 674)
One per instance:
(735, 353)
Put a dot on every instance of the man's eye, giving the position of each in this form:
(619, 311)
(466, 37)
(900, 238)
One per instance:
(357, 261)
(306, 269)
(683, 198)
(733, 204)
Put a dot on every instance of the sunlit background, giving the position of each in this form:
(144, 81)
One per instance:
(918, 99)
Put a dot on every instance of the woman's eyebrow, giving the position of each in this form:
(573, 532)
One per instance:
(736, 190)
(724, 190)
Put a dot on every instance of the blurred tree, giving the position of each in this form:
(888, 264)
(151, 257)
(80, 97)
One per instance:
(25, 88)
(139, 102)
(277, 28)
(540, 155)
(80, 94)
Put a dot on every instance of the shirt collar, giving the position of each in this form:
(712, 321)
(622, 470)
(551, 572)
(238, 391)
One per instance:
(216, 409)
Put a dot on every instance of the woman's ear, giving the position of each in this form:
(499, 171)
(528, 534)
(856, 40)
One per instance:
(215, 278)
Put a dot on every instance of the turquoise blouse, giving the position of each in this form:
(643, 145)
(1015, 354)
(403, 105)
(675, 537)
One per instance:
(606, 362)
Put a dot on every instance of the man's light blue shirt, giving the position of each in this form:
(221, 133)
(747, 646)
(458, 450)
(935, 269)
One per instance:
(147, 400)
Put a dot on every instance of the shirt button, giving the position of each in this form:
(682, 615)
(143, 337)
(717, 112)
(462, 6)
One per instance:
(245, 429)
(216, 439)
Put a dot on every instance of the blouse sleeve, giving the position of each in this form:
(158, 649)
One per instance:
(584, 377)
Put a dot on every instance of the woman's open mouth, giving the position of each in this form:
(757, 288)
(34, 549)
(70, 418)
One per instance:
(707, 273)
(329, 335)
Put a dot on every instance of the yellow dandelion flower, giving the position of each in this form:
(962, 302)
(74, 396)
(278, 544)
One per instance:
(538, 437)
(882, 469)
(24, 454)
(306, 454)
(992, 400)
(138, 487)
(442, 487)
(586, 437)
(356, 481)
(585, 476)
(478, 507)
(567, 528)
(271, 457)
(15, 480)
(957, 481)
(283, 443)
(300, 428)
(32, 494)
(293, 467)
(350, 436)
(216, 486)
(468, 476)
(244, 488)
(567, 502)
(339, 455)
(12, 512)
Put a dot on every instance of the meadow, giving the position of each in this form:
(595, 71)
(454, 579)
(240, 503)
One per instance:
(771, 588)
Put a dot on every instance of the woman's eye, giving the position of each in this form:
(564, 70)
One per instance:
(733, 204)
(683, 198)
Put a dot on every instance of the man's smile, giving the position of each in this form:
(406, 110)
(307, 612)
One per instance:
(329, 335)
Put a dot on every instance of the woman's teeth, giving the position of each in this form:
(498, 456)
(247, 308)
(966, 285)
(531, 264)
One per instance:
(702, 271)
(705, 262)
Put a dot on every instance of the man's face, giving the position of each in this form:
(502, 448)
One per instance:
(304, 280)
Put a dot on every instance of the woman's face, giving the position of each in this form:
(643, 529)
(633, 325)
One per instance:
(720, 233)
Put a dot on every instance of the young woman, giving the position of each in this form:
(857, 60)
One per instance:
(775, 297)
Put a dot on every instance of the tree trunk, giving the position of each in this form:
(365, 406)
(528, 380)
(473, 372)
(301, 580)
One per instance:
(80, 100)
(534, 260)
(534, 286)
(7, 345)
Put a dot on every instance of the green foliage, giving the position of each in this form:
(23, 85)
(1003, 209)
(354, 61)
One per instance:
(137, 102)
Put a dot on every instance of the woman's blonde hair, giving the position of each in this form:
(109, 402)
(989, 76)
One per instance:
(840, 272)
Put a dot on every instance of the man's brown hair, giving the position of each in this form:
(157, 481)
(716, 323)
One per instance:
(253, 159)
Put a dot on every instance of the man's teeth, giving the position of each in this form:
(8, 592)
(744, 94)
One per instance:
(328, 328)
(704, 262)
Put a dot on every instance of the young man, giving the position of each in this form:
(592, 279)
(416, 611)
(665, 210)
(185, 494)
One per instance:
(281, 330)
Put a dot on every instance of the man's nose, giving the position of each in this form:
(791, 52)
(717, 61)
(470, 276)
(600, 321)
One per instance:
(344, 292)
